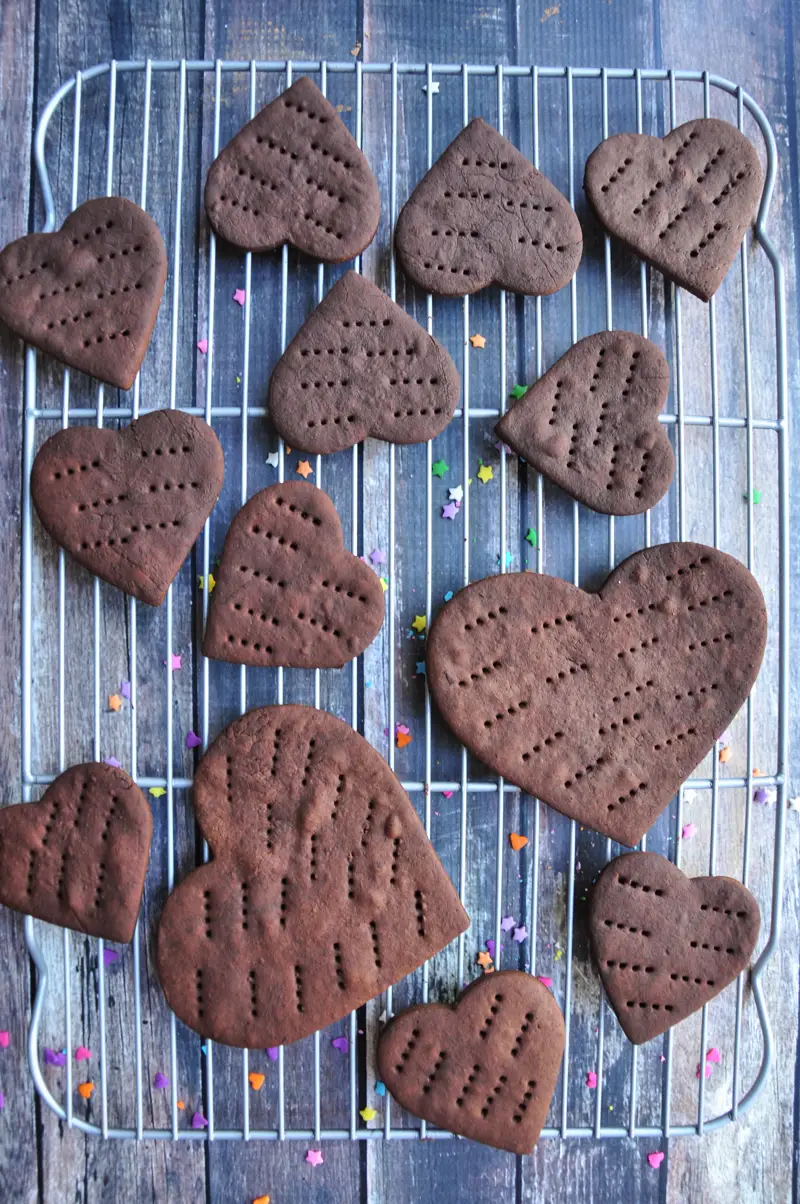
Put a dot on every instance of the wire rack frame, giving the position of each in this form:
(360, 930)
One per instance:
(680, 420)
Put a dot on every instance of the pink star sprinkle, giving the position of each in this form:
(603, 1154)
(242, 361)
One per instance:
(82, 1054)
(192, 740)
(713, 1055)
(202, 346)
(545, 981)
(450, 510)
(447, 793)
(688, 831)
(655, 1160)
(176, 661)
(707, 1069)
(239, 296)
(4, 1039)
(591, 1079)
(314, 1157)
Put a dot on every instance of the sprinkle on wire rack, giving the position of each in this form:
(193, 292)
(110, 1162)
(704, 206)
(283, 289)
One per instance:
(151, 71)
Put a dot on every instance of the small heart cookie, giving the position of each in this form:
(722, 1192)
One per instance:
(294, 174)
(601, 704)
(324, 889)
(484, 215)
(682, 202)
(486, 1067)
(78, 857)
(89, 293)
(591, 423)
(361, 366)
(288, 592)
(129, 504)
(665, 944)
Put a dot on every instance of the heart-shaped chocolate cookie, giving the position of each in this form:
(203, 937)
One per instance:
(89, 293)
(361, 366)
(288, 592)
(78, 857)
(484, 215)
(591, 423)
(601, 704)
(486, 1067)
(129, 504)
(294, 174)
(682, 202)
(665, 944)
(324, 889)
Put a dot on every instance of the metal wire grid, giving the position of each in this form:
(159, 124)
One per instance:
(35, 412)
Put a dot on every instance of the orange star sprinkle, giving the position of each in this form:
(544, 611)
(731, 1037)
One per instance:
(114, 702)
(477, 340)
(181, 1105)
(256, 1080)
(724, 755)
(484, 959)
(85, 1090)
(517, 842)
(304, 468)
(261, 1200)
(404, 738)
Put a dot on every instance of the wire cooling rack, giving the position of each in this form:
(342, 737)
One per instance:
(149, 130)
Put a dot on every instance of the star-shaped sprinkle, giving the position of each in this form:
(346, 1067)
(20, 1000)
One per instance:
(377, 556)
(109, 957)
(199, 1121)
(434, 88)
(520, 934)
(419, 623)
(341, 1043)
(557, 956)
(82, 1054)
(519, 391)
(724, 755)
(532, 538)
(485, 473)
(256, 1080)
(304, 469)
(794, 803)
(484, 959)
(591, 1079)
(440, 468)
(450, 510)
(261, 1200)
(53, 1057)
(516, 841)
(115, 702)
(157, 791)
(456, 494)
(477, 340)
(125, 689)
(402, 739)
(655, 1159)
(4, 1039)
(176, 661)
(490, 947)
(85, 1090)
(688, 831)
(545, 981)
(202, 346)
(314, 1157)
(272, 460)
(272, 1053)
(448, 595)
(713, 1055)
(160, 1081)
(193, 740)
(756, 496)
(368, 1114)
(180, 1104)
(507, 923)
(421, 667)
(239, 296)
(380, 1088)
(201, 583)
(113, 762)
(707, 1071)
(384, 583)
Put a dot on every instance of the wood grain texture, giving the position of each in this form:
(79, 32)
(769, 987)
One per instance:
(750, 1160)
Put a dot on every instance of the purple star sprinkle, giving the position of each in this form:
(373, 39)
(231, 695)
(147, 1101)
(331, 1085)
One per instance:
(199, 1121)
(53, 1058)
(341, 1043)
(520, 934)
(125, 690)
(160, 1081)
(113, 762)
(507, 923)
(193, 740)
(272, 1053)
(760, 795)
(110, 956)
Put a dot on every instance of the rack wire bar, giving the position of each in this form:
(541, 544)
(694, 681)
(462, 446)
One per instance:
(517, 96)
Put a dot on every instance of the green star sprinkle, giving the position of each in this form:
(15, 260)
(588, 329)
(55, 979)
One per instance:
(531, 537)
(519, 391)
(756, 496)
(440, 468)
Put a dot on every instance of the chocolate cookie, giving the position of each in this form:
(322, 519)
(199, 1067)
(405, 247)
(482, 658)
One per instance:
(591, 423)
(361, 366)
(484, 215)
(324, 889)
(89, 293)
(601, 704)
(288, 592)
(665, 944)
(78, 857)
(129, 504)
(294, 174)
(486, 1067)
(682, 202)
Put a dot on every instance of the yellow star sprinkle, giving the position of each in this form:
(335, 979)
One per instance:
(477, 340)
(485, 474)
(114, 702)
(384, 584)
(212, 581)
(157, 791)
(368, 1113)
(420, 623)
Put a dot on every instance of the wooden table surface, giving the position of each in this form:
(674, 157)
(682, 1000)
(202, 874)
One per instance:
(754, 42)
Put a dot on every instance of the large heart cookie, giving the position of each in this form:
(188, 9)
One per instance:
(484, 215)
(288, 592)
(294, 174)
(78, 857)
(129, 504)
(666, 944)
(324, 889)
(682, 202)
(601, 704)
(89, 293)
(591, 423)
(485, 1068)
(361, 366)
